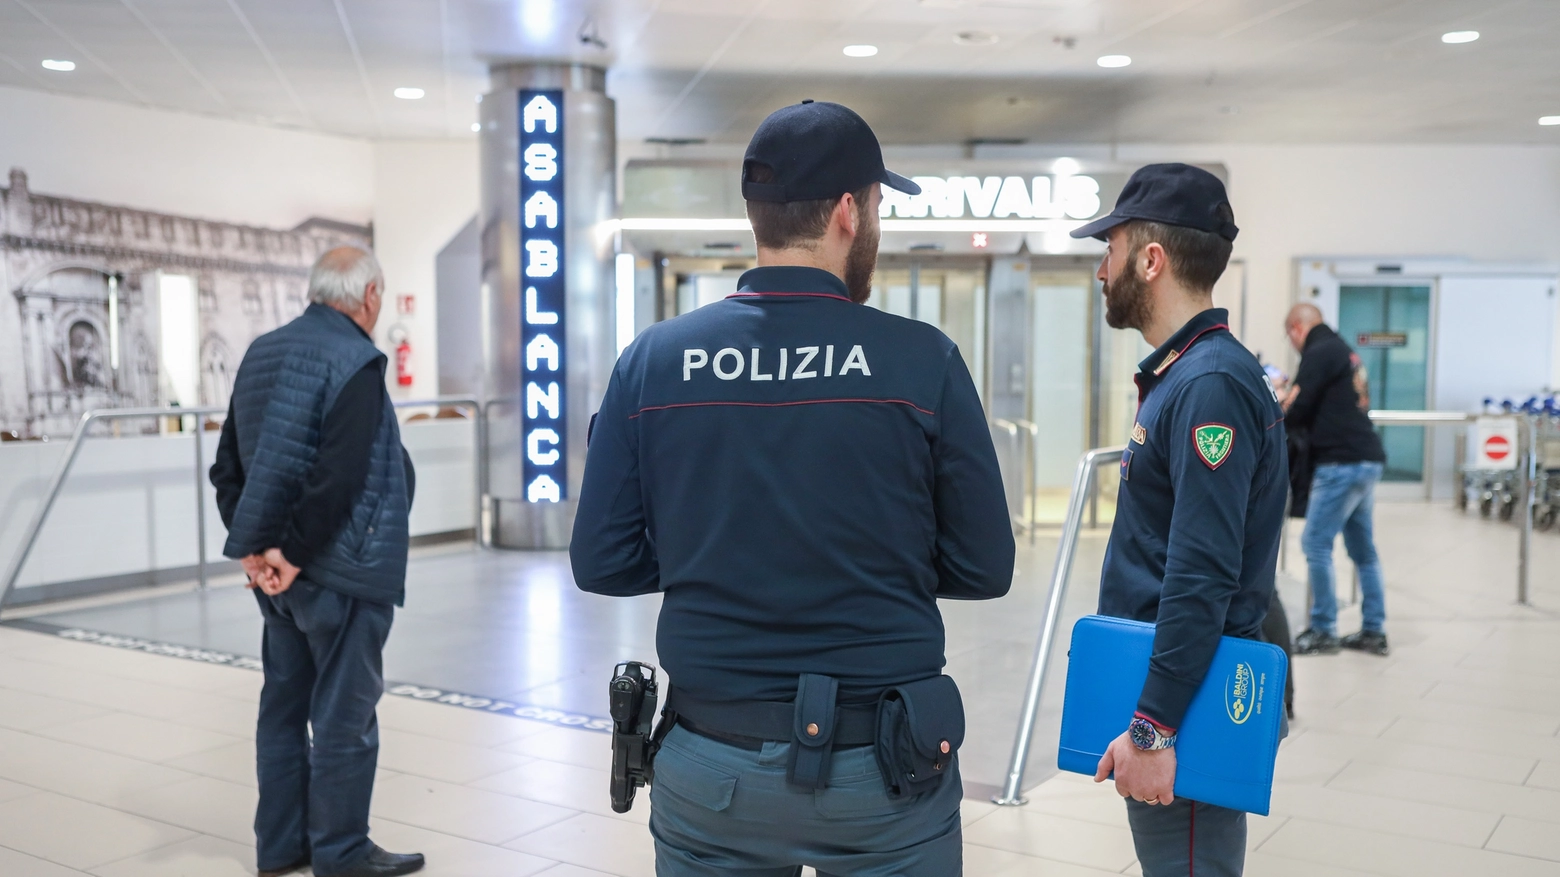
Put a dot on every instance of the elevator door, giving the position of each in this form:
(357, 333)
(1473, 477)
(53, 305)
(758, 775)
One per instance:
(1389, 327)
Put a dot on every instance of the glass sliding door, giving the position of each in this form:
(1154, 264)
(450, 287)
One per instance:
(1389, 329)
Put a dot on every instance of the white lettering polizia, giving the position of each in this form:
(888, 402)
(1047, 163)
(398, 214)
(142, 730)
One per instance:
(786, 364)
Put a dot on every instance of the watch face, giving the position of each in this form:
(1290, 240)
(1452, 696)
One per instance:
(1142, 734)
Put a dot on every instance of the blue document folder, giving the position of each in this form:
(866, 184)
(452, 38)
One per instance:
(1226, 745)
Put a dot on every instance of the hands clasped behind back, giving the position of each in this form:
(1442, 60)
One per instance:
(270, 572)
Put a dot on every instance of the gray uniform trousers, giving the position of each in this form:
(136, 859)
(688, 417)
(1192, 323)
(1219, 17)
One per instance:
(723, 811)
(1188, 839)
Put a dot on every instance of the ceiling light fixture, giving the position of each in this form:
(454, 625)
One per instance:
(476, 127)
(1460, 36)
(1549, 120)
(59, 66)
(1113, 61)
(1065, 167)
(860, 51)
(410, 93)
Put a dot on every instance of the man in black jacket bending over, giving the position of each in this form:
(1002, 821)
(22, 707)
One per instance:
(1325, 403)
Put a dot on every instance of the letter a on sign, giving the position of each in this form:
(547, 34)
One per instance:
(540, 109)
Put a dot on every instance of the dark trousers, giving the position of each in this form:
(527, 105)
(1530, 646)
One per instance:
(323, 671)
(1188, 839)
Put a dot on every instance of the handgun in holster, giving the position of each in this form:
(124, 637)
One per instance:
(634, 694)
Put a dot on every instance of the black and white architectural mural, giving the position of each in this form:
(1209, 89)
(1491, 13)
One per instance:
(79, 323)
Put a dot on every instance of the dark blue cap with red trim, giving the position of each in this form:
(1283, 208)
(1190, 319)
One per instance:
(816, 150)
(1174, 194)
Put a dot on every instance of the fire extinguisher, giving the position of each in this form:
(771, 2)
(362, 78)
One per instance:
(403, 355)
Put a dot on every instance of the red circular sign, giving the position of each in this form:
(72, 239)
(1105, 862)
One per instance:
(1497, 447)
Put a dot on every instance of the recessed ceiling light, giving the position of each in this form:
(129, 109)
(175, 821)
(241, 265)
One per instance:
(409, 93)
(1549, 120)
(1065, 167)
(975, 38)
(1113, 61)
(860, 51)
(1460, 36)
(61, 66)
(476, 127)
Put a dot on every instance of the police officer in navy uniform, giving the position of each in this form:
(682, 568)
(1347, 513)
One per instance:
(1204, 478)
(801, 477)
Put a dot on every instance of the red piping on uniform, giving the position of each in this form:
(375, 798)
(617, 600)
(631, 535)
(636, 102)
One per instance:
(778, 405)
(788, 295)
(1182, 352)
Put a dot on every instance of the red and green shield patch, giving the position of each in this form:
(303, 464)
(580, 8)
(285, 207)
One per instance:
(1213, 442)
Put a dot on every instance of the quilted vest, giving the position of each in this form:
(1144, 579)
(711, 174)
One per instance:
(288, 381)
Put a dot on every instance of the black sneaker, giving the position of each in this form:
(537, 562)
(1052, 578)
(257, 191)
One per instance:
(1372, 641)
(1316, 642)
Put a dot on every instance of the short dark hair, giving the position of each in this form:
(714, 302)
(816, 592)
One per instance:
(779, 225)
(1197, 258)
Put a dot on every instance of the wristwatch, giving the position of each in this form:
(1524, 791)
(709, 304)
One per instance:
(1147, 736)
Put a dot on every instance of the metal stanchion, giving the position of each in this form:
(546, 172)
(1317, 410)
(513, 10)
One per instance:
(200, 501)
(1529, 503)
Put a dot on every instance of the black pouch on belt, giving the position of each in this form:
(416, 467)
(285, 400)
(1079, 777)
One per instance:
(920, 728)
(813, 733)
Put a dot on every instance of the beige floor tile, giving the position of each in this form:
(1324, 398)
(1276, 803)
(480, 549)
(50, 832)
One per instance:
(234, 716)
(564, 869)
(474, 814)
(78, 771)
(24, 711)
(566, 785)
(1267, 865)
(1461, 792)
(1526, 837)
(1260, 828)
(982, 861)
(202, 856)
(1103, 807)
(971, 811)
(1410, 818)
(9, 790)
(95, 688)
(1385, 854)
(439, 759)
(1477, 739)
(234, 762)
(1545, 776)
(1053, 837)
(458, 725)
(1442, 759)
(584, 748)
(15, 864)
(1463, 695)
(596, 842)
(450, 856)
(154, 740)
(79, 834)
(209, 806)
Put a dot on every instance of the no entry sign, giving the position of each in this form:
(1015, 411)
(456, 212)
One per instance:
(1494, 443)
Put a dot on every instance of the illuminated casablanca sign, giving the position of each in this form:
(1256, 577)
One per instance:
(1061, 197)
(542, 282)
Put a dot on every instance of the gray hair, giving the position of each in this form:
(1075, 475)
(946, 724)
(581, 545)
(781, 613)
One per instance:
(340, 277)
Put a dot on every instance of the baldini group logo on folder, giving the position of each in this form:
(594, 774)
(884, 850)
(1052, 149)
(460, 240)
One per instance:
(1241, 693)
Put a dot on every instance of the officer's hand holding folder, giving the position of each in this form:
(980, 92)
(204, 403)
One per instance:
(1227, 744)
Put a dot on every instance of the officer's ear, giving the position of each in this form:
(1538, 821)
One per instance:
(1153, 261)
(847, 214)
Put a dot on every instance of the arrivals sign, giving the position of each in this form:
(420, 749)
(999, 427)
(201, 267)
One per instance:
(543, 291)
(1044, 197)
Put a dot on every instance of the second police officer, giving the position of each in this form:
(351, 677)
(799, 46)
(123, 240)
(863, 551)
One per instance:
(1204, 480)
(801, 477)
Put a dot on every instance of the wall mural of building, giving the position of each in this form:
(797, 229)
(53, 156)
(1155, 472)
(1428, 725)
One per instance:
(62, 260)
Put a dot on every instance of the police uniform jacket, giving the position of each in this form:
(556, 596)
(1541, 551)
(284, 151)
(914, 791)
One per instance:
(1204, 479)
(802, 477)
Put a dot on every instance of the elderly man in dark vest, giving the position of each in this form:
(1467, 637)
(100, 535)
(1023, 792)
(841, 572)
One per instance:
(314, 487)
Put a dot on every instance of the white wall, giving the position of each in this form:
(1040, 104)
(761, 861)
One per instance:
(1486, 203)
(183, 164)
(425, 192)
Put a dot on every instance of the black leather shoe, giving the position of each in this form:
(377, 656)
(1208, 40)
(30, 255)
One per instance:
(278, 872)
(1316, 642)
(381, 863)
(1371, 641)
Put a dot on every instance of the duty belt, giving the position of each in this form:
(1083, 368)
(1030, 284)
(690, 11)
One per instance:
(763, 720)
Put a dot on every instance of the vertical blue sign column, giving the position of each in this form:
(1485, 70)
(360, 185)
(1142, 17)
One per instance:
(542, 281)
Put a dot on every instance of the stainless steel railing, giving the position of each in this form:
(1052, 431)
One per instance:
(78, 437)
(1024, 434)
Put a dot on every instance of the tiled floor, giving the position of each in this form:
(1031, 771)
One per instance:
(1443, 759)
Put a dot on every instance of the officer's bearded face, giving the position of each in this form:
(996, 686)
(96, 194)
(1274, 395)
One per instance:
(861, 261)
(1127, 305)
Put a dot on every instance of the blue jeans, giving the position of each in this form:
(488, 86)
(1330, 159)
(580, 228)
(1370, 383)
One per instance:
(323, 672)
(723, 811)
(1343, 497)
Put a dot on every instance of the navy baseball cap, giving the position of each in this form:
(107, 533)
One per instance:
(1174, 194)
(817, 150)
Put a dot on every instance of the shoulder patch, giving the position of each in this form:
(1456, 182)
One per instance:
(1213, 442)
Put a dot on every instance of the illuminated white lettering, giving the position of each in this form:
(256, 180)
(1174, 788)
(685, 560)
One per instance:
(1080, 195)
(734, 373)
(536, 400)
(533, 447)
(543, 488)
(693, 359)
(1013, 200)
(541, 258)
(856, 360)
(541, 206)
(982, 194)
(753, 375)
(541, 349)
(802, 371)
(541, 162)
(535, 315)
(542, 110)
(1045, 207)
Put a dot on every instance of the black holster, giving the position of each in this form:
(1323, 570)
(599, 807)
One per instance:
(920, 729)
(812, 734)
(633, 696)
